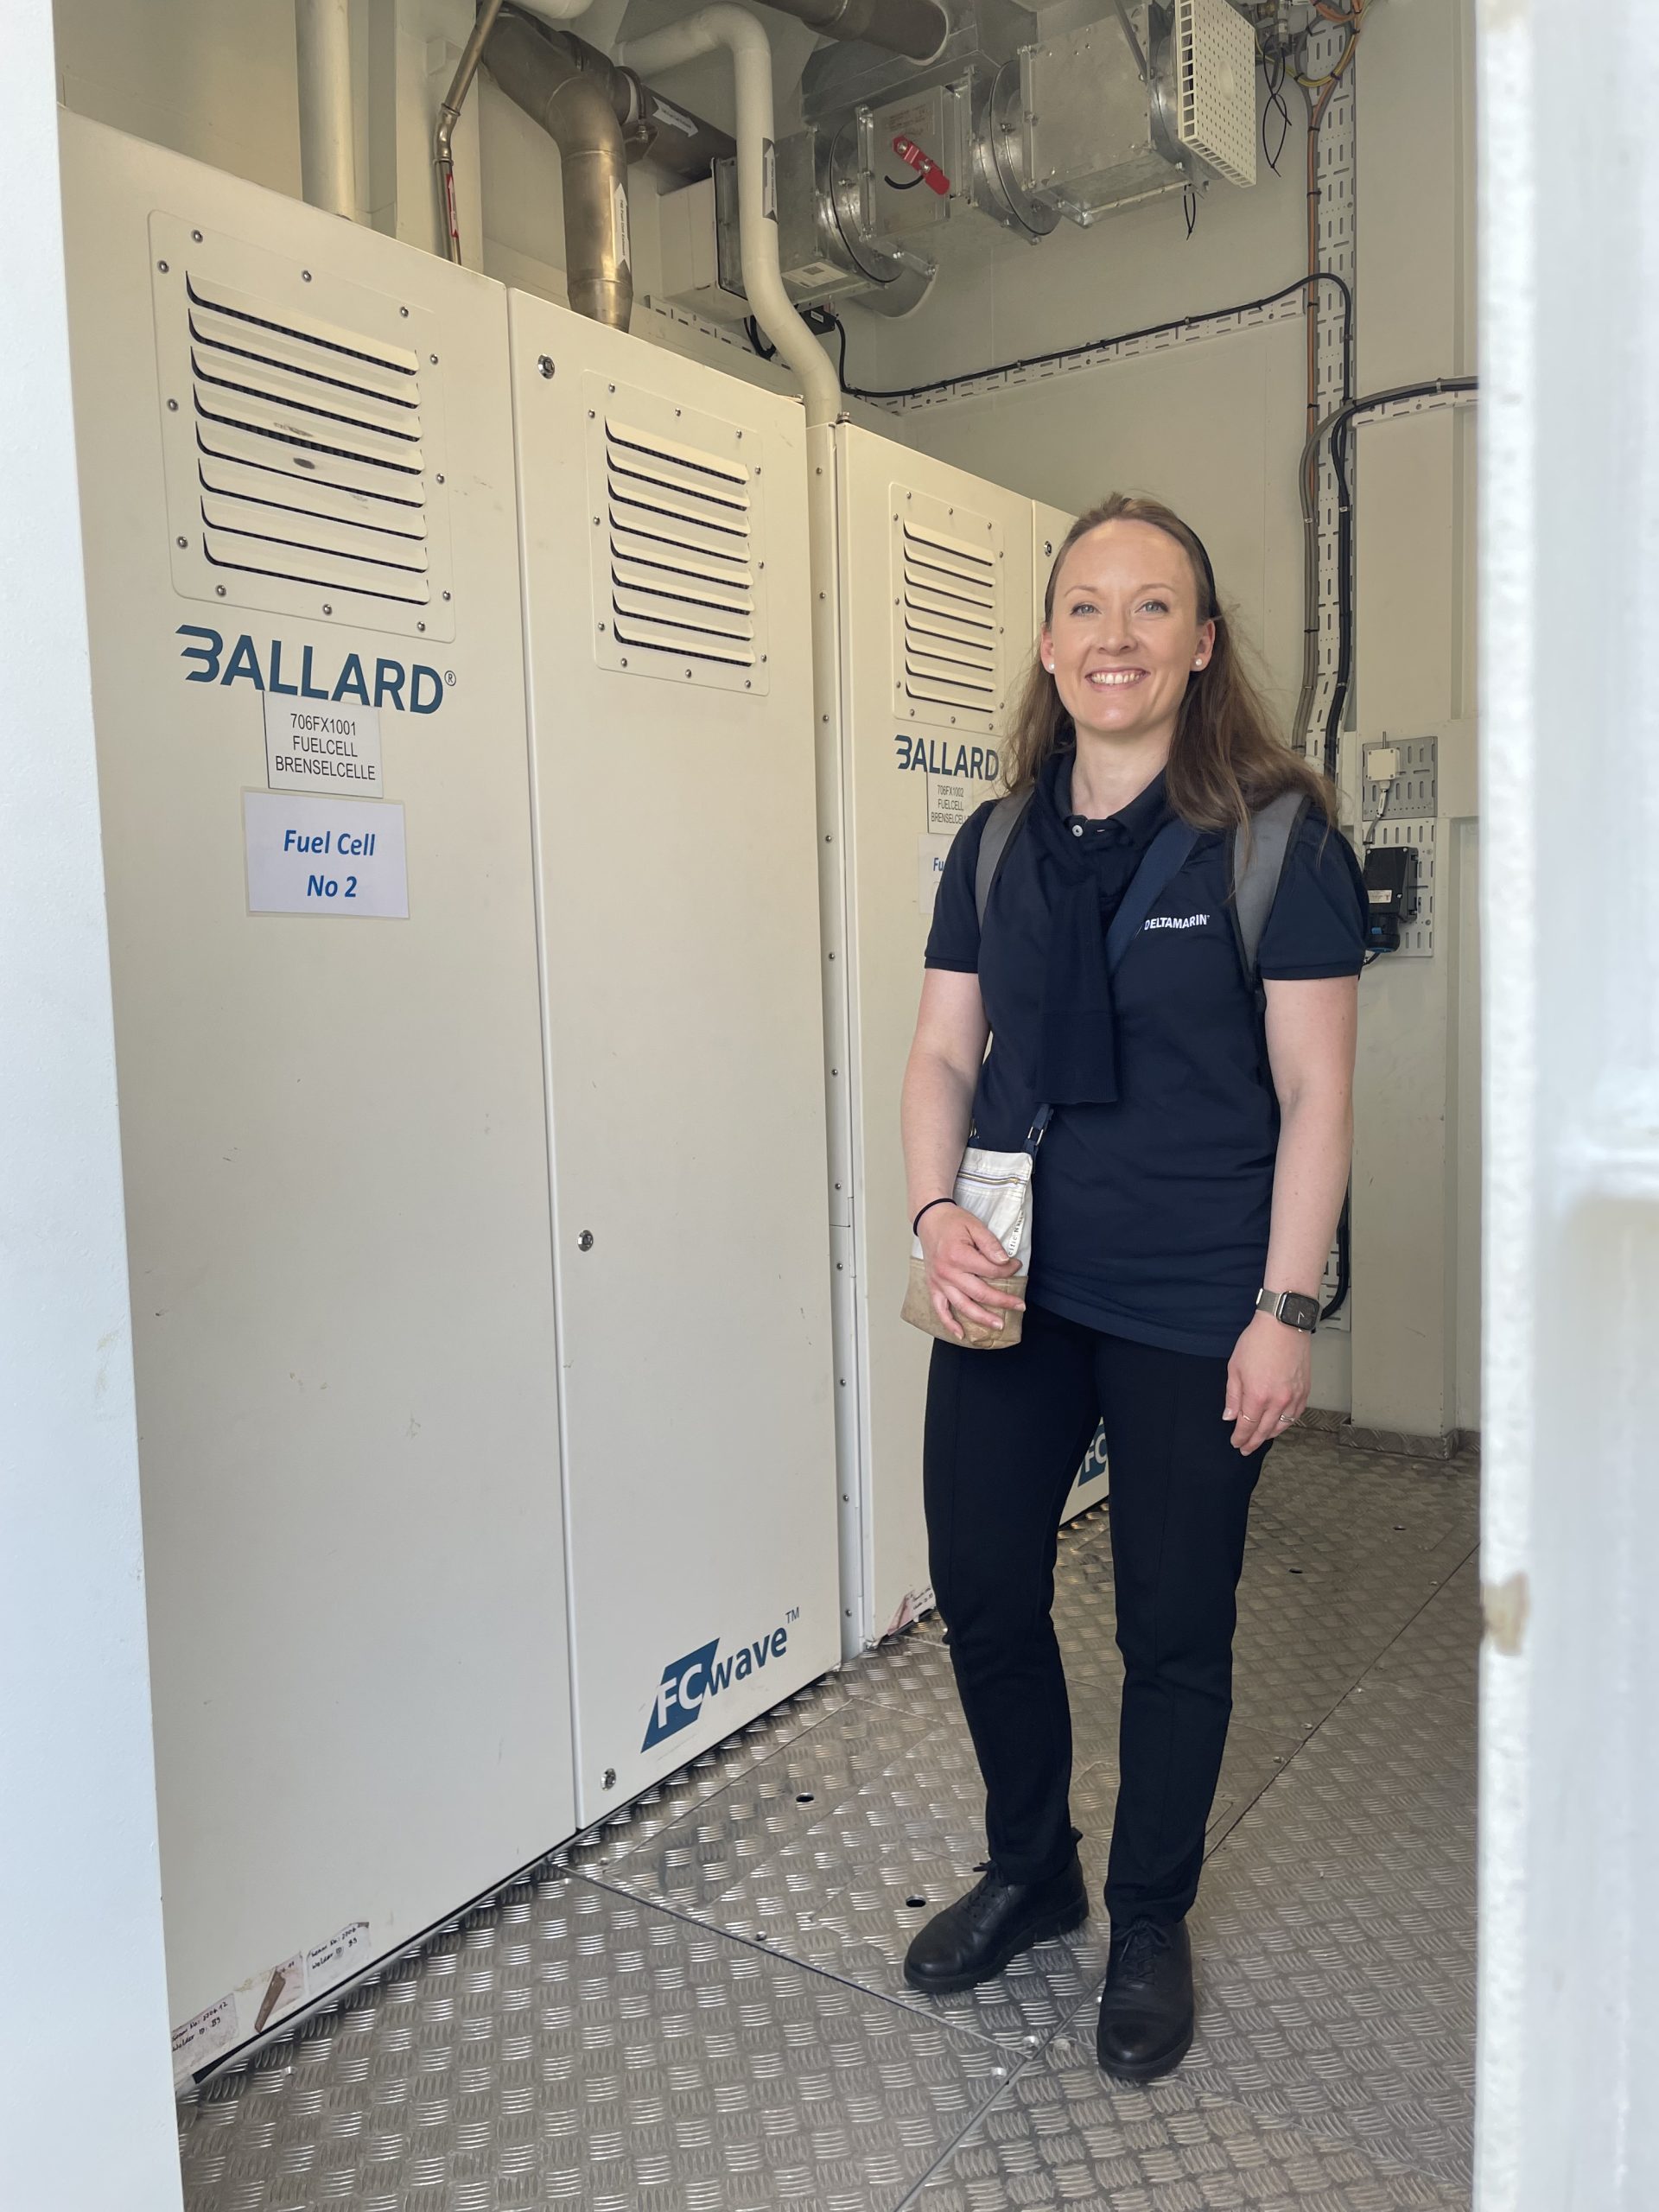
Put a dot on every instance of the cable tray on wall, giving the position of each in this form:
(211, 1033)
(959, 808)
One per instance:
(300, 450)
(678, 580)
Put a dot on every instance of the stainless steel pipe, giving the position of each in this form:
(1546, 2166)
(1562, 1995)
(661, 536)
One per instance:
(577, 106)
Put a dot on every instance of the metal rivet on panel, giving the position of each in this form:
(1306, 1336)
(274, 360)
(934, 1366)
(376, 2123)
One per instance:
(306, 274)
(172, 406)
(433, 359)
(446, 594)
(420, 626)
(543, 362)
(196, 236)
(679, 410)
(180, 541)
(590, 414)
(404, 313)
(326, 608)
(219, 588)
(162, 265)
(624, 661)
(610, 387)
(438, 480)
(585, 1242)
(610, 1777)
(747, 686)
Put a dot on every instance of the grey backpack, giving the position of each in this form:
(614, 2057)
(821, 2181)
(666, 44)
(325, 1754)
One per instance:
(1254, 877)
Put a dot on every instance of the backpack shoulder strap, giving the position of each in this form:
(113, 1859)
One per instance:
(1001, 824)
(1257, 876)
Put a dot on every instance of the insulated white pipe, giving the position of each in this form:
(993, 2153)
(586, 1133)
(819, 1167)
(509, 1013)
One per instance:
(323, 33)
(555, 11)
(757, 224)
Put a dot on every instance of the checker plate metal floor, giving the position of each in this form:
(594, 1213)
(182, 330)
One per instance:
(699, 2007)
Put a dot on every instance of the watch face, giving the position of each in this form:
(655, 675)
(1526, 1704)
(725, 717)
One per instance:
(1303, 1312)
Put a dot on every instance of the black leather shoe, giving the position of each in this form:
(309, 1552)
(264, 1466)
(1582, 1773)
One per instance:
(974, 1939)
(1146, 2009)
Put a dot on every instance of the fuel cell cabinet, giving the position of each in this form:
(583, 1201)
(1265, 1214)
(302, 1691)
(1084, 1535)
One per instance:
(663, 514)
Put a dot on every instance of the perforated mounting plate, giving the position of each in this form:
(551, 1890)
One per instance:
(1215, 86)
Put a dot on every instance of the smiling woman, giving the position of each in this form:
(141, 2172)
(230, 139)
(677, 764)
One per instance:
(1132, 607)
(1190, 1099)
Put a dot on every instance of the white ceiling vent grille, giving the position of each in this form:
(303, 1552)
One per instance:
(302, 476)
(678, 569)
(1215, 80)
(947, 590)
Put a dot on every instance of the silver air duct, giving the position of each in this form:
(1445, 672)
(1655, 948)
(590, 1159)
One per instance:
(915, 29)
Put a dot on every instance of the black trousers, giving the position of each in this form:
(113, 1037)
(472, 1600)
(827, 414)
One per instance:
(1006, 1431)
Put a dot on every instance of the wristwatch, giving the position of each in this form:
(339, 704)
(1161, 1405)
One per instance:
(1290, 1306)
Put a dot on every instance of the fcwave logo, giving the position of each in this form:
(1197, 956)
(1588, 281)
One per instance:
(689, 1683)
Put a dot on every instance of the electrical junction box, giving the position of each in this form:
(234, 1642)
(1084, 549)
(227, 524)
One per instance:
(691, 272)
(662, 513)
(1399, 813)
(297, 467)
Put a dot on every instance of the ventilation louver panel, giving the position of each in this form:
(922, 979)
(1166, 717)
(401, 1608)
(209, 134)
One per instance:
(950, 596)
(309, 445)
(299, 437)
(678, 585)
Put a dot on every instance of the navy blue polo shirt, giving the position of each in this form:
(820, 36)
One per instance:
(1150, 1215)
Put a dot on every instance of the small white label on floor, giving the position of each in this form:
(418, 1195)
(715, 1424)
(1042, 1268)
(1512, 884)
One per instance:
(328, 1963)
(324, 857)
(199, 2041)
(311, 747)
(930, 852)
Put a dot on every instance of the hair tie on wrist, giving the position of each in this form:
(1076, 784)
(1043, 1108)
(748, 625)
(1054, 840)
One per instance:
(928, 1208)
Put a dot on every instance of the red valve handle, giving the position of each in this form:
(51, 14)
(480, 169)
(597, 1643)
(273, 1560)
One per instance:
(912, 156)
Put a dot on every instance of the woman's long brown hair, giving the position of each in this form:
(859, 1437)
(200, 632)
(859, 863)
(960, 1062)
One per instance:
(1225, 759)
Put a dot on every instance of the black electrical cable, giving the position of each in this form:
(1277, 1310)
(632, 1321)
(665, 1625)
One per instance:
(1186, 322)
(1336, 429)
(1276, 105)
(752, 331)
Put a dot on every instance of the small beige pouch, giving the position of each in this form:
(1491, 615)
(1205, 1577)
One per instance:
(995, 1188)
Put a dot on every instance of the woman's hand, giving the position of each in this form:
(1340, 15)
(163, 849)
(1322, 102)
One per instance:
(1267, 1381)
(964, 1258)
